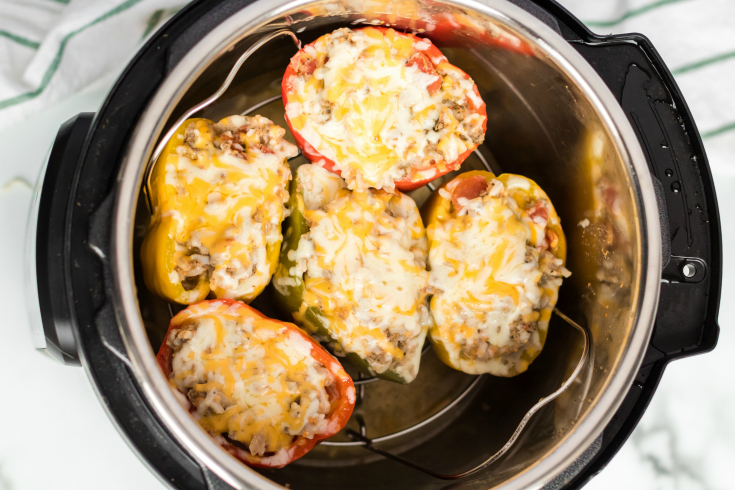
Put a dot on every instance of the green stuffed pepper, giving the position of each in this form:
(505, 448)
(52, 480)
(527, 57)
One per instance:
(353, 273)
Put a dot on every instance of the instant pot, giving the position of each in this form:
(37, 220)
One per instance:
(597, 121)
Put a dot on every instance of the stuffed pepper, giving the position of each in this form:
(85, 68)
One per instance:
(353, 272)
(218, 193)
(263, 389)
(496, 255)
(381, 108)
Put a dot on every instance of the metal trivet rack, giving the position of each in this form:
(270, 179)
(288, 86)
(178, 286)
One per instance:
(367, 443)
(359, 438)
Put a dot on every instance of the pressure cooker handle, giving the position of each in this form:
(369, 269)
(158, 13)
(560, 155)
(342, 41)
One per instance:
(686, 322)
(52, 267)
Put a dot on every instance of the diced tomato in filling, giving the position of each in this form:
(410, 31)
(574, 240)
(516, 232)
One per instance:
(539, 213)
(469, 188)
(305, 65)
(425, 66)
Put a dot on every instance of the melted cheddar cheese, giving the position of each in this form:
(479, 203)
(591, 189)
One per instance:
(363, 265)
(226, 186)
(369, 107)
(494, 279)
(250, 380)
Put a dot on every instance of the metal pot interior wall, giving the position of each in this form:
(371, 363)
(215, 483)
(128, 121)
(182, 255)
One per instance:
(541, 124)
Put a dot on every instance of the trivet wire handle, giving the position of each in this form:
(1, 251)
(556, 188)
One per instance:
(206, 102)
(492, 459)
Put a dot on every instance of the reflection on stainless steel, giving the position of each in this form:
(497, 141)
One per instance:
(257, 106)
(607, 268)
(543, 103)
(368, 443)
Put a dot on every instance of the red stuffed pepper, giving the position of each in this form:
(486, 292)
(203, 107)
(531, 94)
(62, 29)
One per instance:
(381, 108)
(263, 389)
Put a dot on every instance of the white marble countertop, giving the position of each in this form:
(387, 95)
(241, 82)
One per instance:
(56, 434)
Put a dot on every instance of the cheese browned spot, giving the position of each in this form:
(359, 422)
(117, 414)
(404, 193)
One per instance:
(373, 103)
(228, 186)
(363, 264)
(251, 380)
(495, 279)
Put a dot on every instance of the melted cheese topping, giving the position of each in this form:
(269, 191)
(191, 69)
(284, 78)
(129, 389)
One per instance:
(250, 379)
(378, 118)
(494, 281)
(228, 186)
(363, 264)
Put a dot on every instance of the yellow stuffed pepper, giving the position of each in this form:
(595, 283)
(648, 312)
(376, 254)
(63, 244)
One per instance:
(218, 193)
(496, 256)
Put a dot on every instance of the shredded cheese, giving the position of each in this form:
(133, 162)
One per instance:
(251, 380)
(494, 280)
(228, 187)
(375, 110)
(363, 265)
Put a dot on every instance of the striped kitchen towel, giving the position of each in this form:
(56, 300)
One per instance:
(50, 49)
(696, 39)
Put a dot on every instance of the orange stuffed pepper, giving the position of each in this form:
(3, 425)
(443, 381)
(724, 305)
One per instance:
(263, 389)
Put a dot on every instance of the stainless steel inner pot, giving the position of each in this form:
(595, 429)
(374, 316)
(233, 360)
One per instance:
(551, 118)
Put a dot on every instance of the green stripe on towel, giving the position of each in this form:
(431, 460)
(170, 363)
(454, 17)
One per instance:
(718, 131)
(631, 13)
(153, 21)
(20, 40)
(702, 63)
(54, 66)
